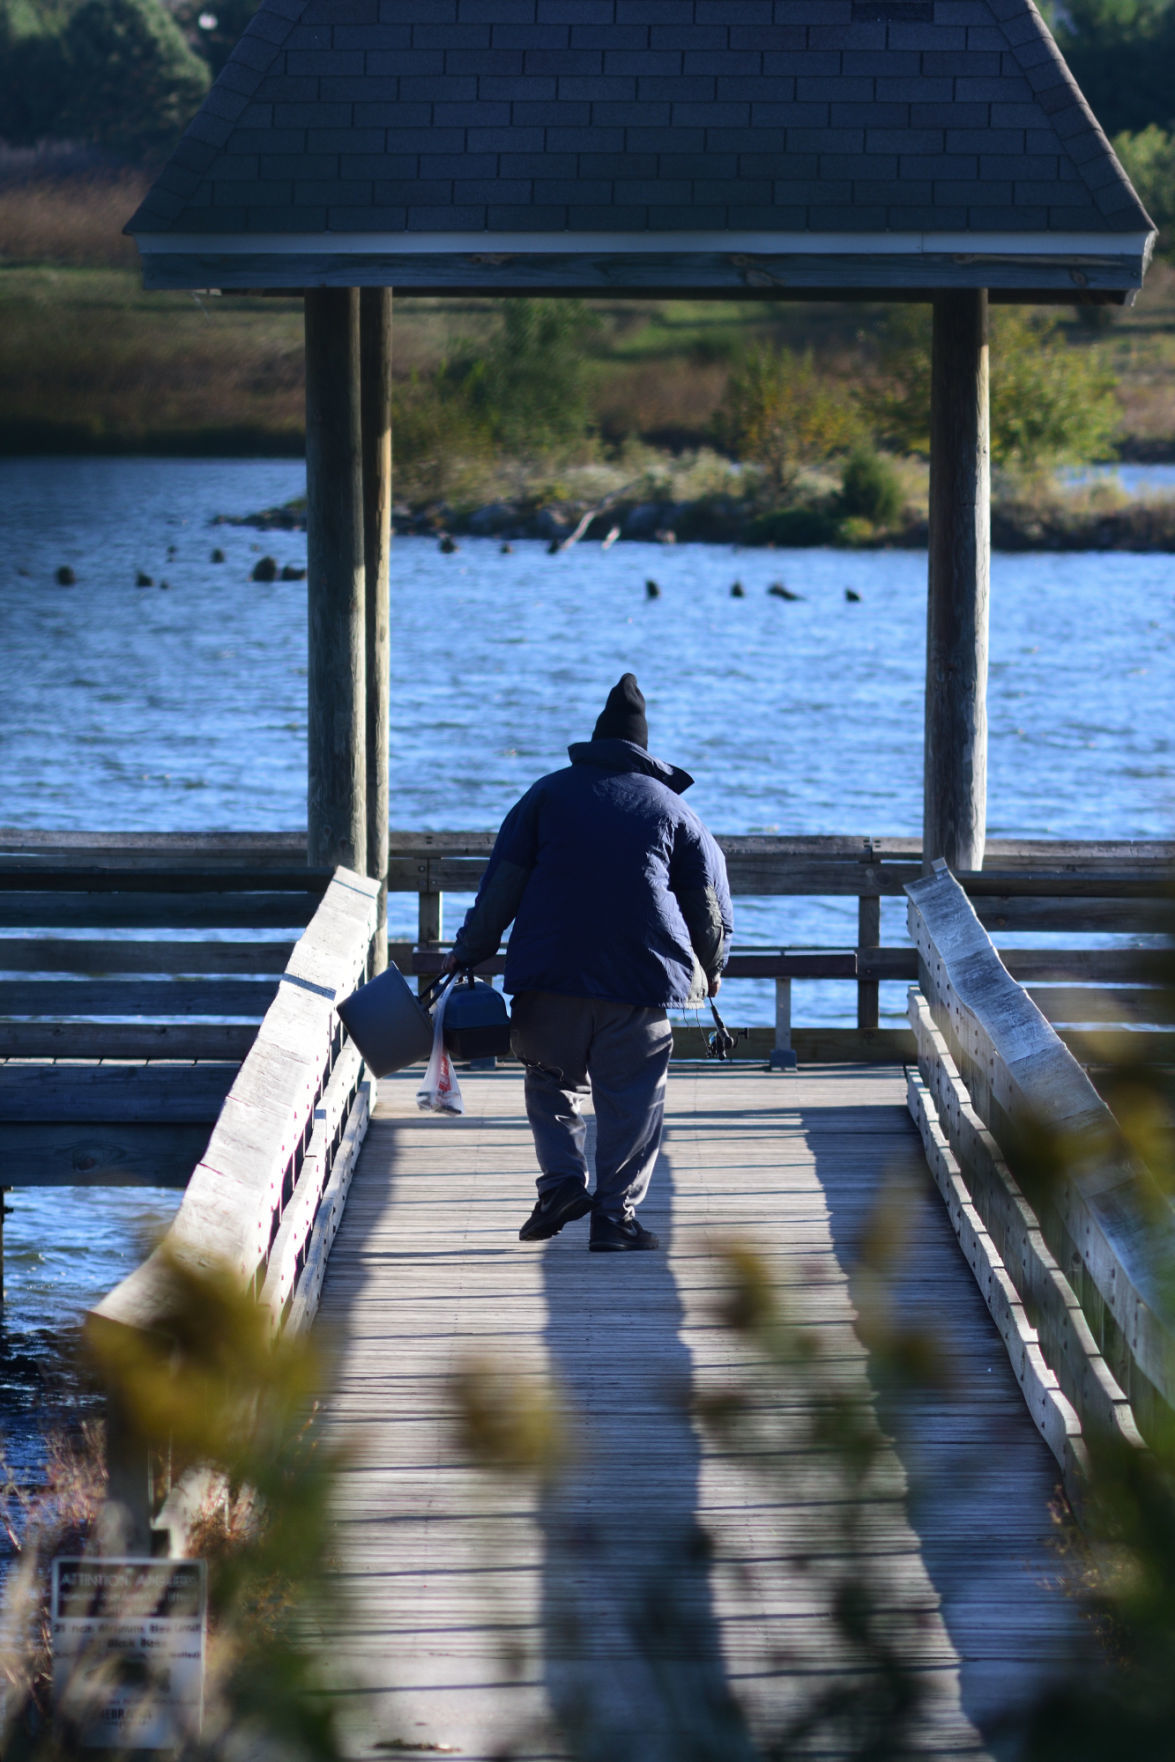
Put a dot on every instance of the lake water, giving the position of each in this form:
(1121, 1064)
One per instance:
(183, 707)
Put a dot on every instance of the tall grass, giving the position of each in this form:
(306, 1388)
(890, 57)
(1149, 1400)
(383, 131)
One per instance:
(74, 220)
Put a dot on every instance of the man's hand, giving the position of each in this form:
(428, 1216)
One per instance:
(450, 963)
(714, 986)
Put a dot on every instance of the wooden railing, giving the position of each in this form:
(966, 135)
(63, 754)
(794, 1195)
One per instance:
(1075, 1262)
(1043, 887)
(113, 946)
(167, 888)
(265, 1198)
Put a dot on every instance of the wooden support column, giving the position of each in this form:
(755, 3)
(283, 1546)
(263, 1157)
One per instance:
(868, 940)
(783, 1057)
(337, 731)
(955, 800)
(375, 367)
(430, 925)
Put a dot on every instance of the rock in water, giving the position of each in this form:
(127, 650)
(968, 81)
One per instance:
(447, 545)
(265, 569)
(652, 591)
(291, 572)
(506, 548)
(783, 593)
(66, 576)
(852, 596)
(738, 591)
(217, 556)
(142, 579)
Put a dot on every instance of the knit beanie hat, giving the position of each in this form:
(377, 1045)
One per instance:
(623, 716)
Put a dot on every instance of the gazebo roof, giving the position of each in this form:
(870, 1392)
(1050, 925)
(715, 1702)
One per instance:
(686, 146)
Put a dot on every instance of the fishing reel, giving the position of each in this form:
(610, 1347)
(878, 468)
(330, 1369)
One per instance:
(721, 1043)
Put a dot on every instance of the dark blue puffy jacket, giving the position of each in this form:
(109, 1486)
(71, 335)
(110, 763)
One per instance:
(616, 888)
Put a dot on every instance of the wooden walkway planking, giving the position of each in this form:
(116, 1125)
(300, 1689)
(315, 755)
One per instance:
(477, 1606)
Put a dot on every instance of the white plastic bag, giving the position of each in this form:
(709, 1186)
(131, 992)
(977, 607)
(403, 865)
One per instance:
(440, 1091)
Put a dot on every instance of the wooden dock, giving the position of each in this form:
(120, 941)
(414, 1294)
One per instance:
(485, 1611)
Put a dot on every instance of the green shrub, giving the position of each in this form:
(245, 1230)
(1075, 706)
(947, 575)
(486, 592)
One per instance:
(1148, 159)
(870, 488)
(435, 439)
(797, 527)
(1052, 403)
(781, 413)
(528, 388)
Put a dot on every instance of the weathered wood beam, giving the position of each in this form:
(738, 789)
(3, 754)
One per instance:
(135, 1040)
(161, 998)
(337, 723)
(375, 358)
(98, 1153)
(156, 911)
(163, 1094)
(99, 954)
(955, 799)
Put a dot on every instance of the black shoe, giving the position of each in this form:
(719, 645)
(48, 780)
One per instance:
(610, 1235)
(556, 1207)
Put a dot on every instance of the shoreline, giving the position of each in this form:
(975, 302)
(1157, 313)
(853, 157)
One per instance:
(1143, 524)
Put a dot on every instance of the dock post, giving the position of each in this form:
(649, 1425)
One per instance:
(336, 808)
(868, 940)
(783, 1057)
(375, 366)
(955, 767)
(430, 924)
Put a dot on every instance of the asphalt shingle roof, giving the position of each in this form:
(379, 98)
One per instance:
(643, 118)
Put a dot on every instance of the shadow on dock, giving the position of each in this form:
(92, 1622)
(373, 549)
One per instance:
(632, 1657)
(965, 1442)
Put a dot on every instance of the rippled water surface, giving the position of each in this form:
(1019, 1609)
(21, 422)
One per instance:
(184, 707)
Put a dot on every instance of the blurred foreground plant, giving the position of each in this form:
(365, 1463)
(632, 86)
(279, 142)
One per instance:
(55, 1518)
(793, 1404)
(1125, 1704)
(210, 1385)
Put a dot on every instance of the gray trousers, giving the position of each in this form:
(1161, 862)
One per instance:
(619, 1054)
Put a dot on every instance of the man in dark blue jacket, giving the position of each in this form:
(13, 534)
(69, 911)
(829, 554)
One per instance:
(621, 911)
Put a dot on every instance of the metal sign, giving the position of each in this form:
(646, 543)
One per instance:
(128, 1651)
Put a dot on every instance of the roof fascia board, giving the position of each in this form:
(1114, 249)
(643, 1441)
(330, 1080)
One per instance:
(659, 274)
(1017, 246)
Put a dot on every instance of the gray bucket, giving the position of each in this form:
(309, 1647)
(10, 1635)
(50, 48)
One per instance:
(388, 1023)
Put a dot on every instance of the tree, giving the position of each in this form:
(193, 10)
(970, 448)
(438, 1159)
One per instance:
(32, 69)
(213, 27)
(1121, 53)
(780, 413)
(132, 83)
